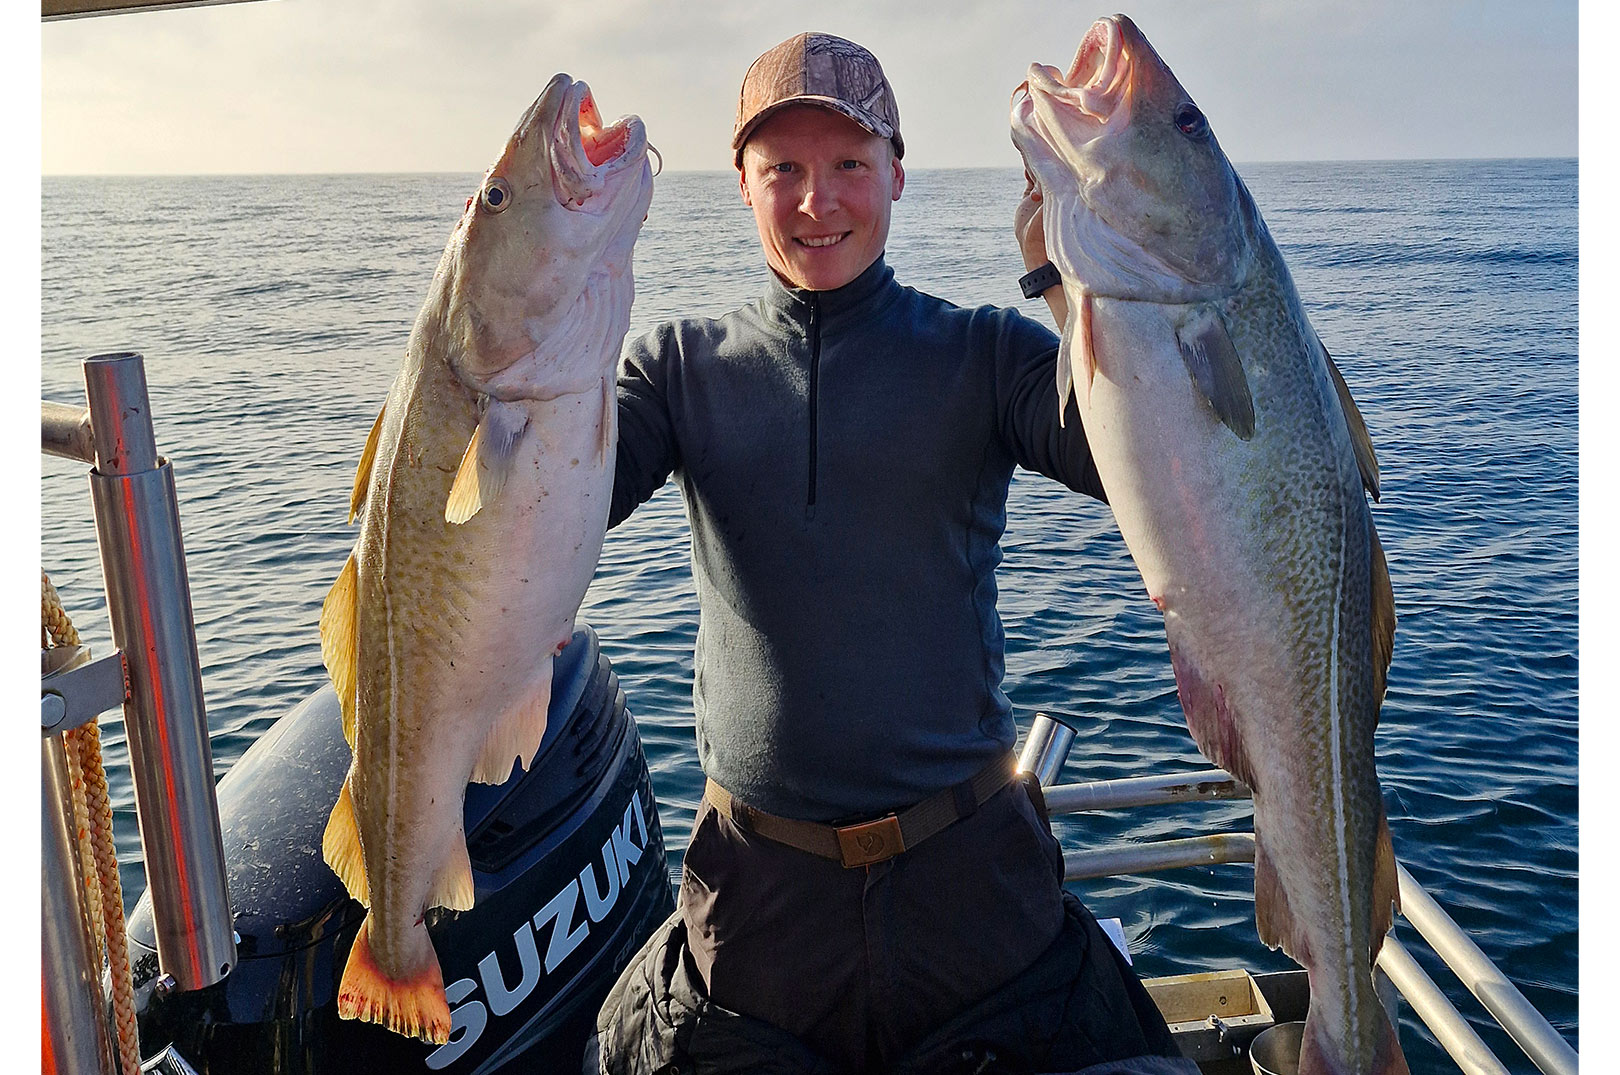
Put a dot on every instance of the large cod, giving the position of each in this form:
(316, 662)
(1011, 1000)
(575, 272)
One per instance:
(1235, 462)
(483, 494)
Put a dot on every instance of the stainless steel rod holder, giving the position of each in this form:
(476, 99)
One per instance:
(1046, 748)
(149, 606)
(76, 1038)
(120, 413)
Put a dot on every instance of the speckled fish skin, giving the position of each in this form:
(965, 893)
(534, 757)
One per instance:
(1235, 464)
(474, 552)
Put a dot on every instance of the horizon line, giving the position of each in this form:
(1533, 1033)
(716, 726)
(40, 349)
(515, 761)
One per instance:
(732, 171)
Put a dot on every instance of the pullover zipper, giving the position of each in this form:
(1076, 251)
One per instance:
(814, 335)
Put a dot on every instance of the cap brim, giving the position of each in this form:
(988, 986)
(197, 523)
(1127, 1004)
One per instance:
(865, 119)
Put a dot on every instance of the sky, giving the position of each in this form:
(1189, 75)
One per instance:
(431, 85)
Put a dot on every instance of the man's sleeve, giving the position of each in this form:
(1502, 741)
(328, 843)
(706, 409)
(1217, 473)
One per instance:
(1026, 393)
(647, 453)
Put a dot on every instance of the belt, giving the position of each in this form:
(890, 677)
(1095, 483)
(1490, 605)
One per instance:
(867, 842)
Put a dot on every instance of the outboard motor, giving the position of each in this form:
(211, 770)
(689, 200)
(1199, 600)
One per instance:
(569, 881)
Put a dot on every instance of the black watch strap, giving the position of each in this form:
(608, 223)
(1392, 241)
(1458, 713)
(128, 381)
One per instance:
(1035, 282)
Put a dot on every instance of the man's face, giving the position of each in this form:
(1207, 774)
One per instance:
(821, 187)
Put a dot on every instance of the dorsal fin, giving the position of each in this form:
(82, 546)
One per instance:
(1360, 439)
(340, 844)
(339, 640)
(362, 474)
(1383, 616)
(1386, 886)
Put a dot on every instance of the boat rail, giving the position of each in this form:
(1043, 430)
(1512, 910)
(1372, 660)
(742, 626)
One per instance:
(1528, 1028)
(155, 676)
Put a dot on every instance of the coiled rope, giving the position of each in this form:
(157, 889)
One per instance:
(98, 856)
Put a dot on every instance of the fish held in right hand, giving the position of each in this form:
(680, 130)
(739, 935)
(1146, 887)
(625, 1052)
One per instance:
(482, 494)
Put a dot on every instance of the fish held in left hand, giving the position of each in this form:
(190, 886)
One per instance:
(483, 495)
(1236, 464)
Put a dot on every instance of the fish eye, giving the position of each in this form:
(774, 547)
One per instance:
(495, 196)
(1190, 121)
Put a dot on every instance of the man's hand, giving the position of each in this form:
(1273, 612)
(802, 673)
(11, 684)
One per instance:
(1029, 224)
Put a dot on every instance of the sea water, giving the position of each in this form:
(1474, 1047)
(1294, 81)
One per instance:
(273, 312)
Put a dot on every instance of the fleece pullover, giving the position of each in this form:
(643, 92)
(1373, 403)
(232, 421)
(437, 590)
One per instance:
(845, 457)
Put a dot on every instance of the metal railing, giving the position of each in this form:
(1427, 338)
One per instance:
(156, 677)
(1545, 1047)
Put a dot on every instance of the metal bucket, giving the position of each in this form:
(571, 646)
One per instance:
(1275, 1050)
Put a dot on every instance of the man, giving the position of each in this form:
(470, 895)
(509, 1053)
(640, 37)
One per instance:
(867, 888)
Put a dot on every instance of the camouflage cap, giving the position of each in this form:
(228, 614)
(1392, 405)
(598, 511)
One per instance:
(818, 69)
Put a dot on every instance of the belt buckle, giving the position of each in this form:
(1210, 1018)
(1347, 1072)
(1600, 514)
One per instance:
(871, 841)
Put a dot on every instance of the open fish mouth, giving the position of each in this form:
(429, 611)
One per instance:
(585, 152)
(1096, 83)
(1100, 68)
(1153, 219)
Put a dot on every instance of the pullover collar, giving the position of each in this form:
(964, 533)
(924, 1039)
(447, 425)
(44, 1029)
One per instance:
(795, 303)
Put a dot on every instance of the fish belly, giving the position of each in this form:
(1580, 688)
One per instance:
(1172, 474)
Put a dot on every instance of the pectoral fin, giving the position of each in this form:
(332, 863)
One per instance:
(1216, 370)
(1360, 439)
(362, 474)
(487, 461)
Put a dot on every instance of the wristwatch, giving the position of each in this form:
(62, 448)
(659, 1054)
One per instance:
(1035, 282)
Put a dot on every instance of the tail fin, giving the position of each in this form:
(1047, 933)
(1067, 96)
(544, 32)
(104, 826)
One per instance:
(415, 1007)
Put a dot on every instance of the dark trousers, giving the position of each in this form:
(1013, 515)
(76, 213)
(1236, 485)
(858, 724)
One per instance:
(778, 963)
(860, 964)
